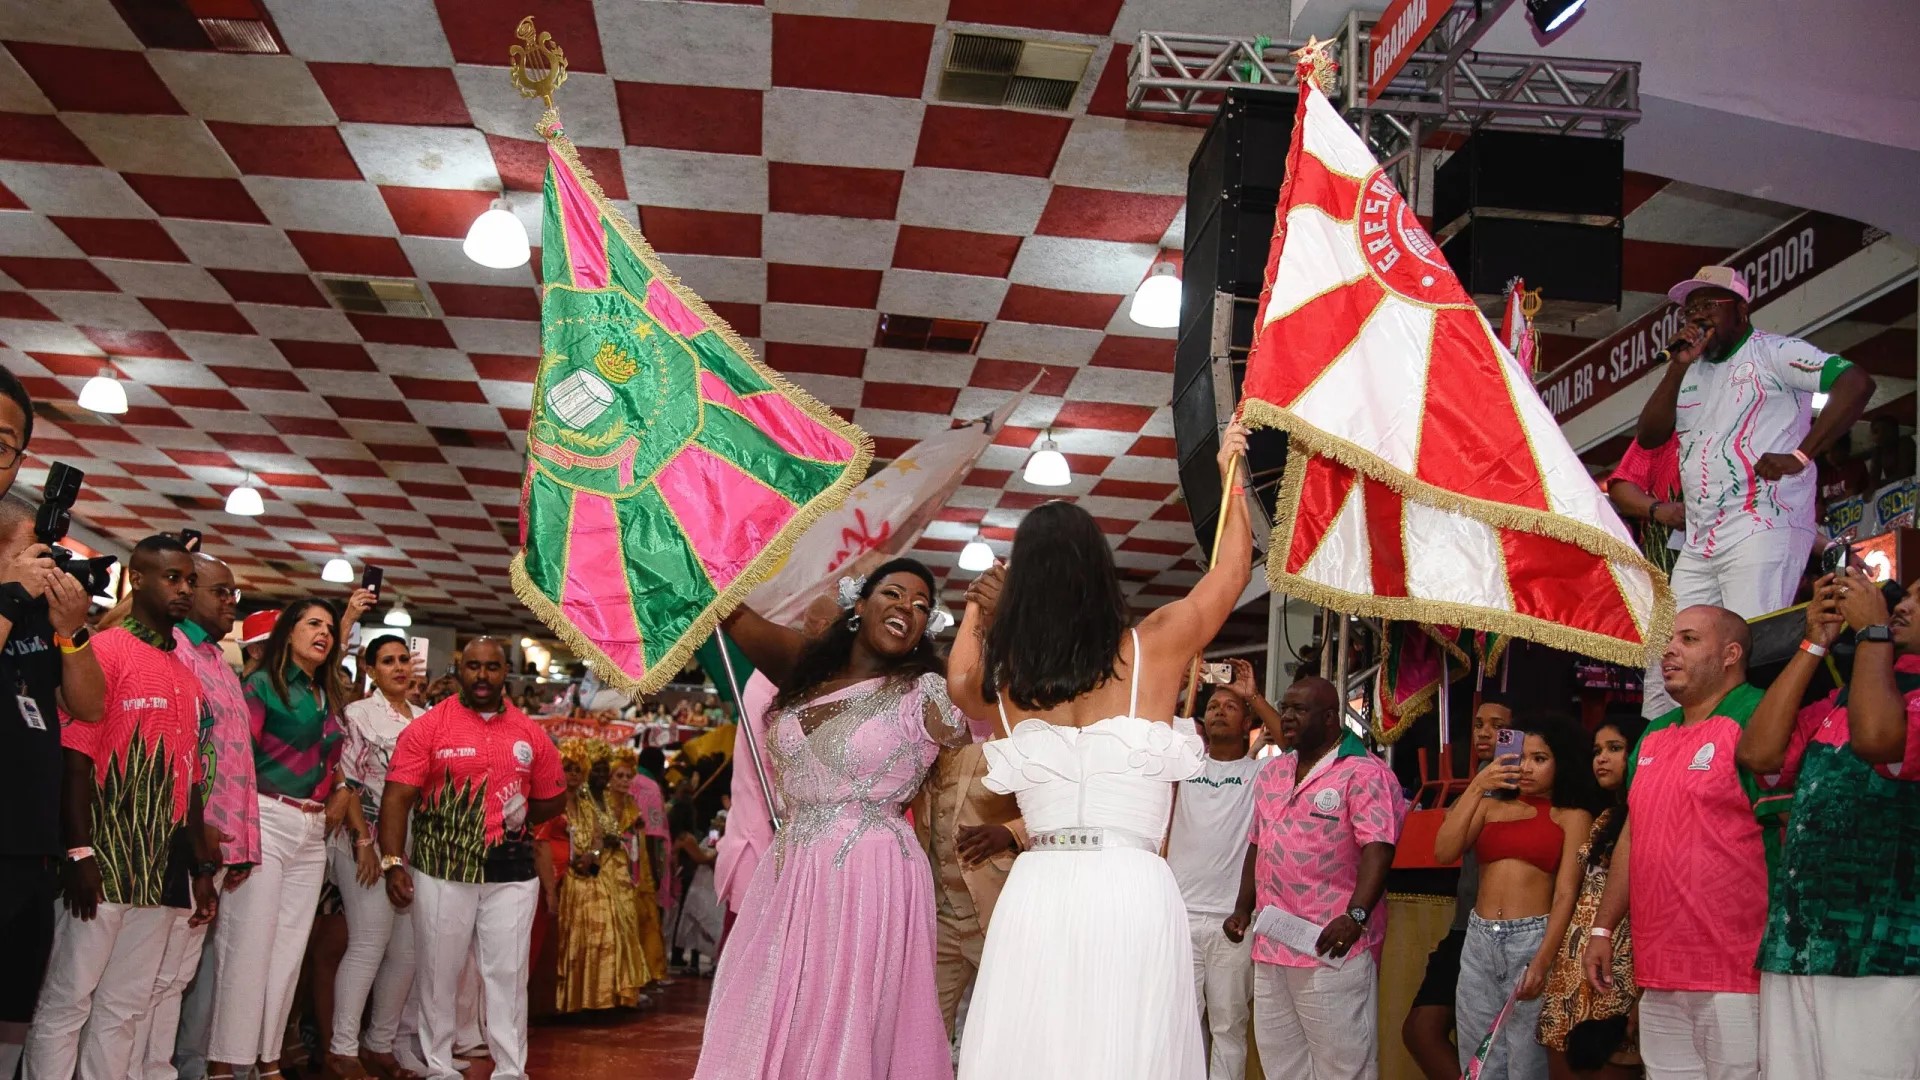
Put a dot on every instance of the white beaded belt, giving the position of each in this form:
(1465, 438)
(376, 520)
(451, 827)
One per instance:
(1089, 839)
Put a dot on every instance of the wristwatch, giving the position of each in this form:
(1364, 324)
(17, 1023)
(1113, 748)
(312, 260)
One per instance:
(77, 642)
(206, 869)
(388, 862)
(1881, 634)
(1358, 915)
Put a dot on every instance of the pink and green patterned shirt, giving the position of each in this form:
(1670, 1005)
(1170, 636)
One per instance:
(1308, 837)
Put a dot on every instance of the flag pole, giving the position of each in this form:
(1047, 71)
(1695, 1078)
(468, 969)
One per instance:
(1213, 558)
(746, 727)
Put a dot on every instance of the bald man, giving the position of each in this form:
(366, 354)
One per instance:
(1326, 815)
(749, 829)
(475, 774)
(1691, 864)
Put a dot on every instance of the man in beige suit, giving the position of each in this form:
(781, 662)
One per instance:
(971, 836)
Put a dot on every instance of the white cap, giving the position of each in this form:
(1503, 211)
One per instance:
(1714, 277)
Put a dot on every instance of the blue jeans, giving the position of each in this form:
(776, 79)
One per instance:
(1492, 963)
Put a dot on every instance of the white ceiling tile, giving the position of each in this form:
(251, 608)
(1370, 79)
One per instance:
(242, 88)
(819, 127)
(72, 190)
(808, 240)
(430, 157)
(1110, 153)
(680, 178)
(231, 245)
(330, 206)
(403, 32)
(972, 201)
(807, 324)
(1096, 266)
(163, 281)
(165, 145)
(656, 41)
(592, 113)
(941, 296)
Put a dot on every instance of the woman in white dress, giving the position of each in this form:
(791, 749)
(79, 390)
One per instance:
(1087, 972)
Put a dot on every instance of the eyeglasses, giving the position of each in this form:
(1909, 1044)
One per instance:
(1701, 307)
(10, 454)
(222, 593)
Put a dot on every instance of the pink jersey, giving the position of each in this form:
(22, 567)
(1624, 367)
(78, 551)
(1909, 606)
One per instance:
(152, 715)
(1309, 836)
(1697, 870)
(476, 776)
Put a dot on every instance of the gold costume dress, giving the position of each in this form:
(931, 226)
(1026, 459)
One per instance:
(602, 965)
(646, 903)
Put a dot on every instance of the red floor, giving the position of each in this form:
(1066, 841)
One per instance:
(661, 1042)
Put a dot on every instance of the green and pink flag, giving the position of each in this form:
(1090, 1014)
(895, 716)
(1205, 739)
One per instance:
(668, 471)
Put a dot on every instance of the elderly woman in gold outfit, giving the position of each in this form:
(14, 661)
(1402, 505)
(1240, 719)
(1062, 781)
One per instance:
(601, 965)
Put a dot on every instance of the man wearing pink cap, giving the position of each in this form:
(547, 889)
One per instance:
(1741, 400)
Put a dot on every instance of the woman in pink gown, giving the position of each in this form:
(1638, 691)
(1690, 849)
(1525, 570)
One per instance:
(828, 974)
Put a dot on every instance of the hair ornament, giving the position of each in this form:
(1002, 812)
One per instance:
(850, 589)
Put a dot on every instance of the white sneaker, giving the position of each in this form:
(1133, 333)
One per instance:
(407, 1052)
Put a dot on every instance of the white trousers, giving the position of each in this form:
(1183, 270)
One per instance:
(378, 960)
(1825, 1027)
(261, 936)
(1753, 577)
(154, 1037)
(196, 1013)
(493, 922)
(1318, 1023)
(1223, 984)
(99, 984)
(1700, 1035)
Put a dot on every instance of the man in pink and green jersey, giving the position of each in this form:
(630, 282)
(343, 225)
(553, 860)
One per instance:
(1691, 863)
(1741, 401)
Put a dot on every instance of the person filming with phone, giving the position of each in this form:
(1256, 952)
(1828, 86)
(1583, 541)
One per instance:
(1741, 400)
(1524, 817)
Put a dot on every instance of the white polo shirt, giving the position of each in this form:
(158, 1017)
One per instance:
(1730, 413)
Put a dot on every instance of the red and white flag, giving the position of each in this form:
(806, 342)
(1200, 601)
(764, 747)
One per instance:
(1426, 481)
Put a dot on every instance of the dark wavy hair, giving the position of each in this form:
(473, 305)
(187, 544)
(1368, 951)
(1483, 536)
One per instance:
(825, 657)
(1572, 749)
(1057, 632)
(329, 677)
(1630, 726)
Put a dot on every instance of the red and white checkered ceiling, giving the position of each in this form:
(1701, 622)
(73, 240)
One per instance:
(167, 211)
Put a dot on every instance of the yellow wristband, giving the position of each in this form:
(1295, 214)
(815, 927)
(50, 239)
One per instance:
(67, 646)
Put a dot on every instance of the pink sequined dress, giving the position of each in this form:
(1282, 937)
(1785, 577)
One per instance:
(828, 974)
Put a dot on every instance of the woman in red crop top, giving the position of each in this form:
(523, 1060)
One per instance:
(1528, 845)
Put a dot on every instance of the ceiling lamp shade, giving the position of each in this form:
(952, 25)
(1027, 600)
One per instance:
(397, 615)
(104, 394)
(1157, 302)
(1048, 466)
(244, 501)
(339, 571)
(976, 557)
(497, 239)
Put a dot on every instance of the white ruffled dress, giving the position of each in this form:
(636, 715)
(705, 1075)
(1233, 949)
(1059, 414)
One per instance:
(1087, 972)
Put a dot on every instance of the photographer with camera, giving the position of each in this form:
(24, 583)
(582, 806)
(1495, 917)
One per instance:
(40, 608)
(132, 810)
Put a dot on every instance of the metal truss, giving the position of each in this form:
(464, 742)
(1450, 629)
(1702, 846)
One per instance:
(1446, 85)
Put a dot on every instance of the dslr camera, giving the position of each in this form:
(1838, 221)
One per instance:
(51, 524)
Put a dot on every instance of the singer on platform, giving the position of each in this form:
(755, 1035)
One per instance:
(1742, 402)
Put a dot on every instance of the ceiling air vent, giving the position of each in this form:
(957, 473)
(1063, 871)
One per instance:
(984, 69)
(928, 335)
(376, 296)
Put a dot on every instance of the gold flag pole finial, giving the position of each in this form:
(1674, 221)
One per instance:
(538, 65)
(1314, 60)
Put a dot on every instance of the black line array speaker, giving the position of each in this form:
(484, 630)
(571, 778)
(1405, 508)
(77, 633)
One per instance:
(1233, 186)
(1543, 207)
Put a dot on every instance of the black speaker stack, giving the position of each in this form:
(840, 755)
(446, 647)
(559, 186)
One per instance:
(1543, 207)
(1233, 186)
